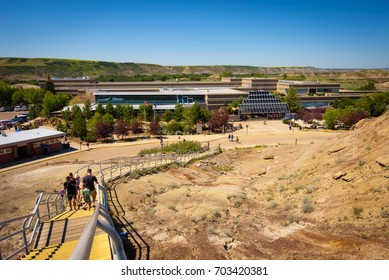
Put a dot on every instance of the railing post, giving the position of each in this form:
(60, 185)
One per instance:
(111, 169)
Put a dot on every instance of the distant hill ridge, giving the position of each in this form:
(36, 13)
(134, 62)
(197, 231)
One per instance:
(38, 68)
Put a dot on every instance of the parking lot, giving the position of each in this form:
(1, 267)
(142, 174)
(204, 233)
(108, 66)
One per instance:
(6, 116)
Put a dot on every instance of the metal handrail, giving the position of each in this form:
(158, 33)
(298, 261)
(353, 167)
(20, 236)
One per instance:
(83, 247)
(29, 230)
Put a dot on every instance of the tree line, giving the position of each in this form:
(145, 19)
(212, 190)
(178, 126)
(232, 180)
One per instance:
(106, 121)
(41, 102)
(344, 112)
(348, 112)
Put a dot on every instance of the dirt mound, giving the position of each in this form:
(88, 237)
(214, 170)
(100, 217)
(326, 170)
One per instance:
(24, 86)
(245, 204)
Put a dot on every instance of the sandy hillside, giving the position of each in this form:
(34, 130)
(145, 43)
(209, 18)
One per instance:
(311, 201)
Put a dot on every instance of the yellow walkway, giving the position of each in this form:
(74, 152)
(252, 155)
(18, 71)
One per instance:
(58, 237)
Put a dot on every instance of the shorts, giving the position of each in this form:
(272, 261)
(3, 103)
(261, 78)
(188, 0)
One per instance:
(86, 194)
(72, 196)
(93, 194)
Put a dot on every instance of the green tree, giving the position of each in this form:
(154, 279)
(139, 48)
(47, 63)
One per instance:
(178, 110)
(343, 102)
(92, 122)
(19, 97)
(49, 85)
(87, 110)
(226, 74)
(188, 119)
(100, 109)
(67, 117)
(174, 126)
(119, 111)
(128, 113)
(6, 93)
(34, 111)
(53, 102)
(167, 116)
(370, 85)
(109, 109)
(378, 103)
(109, 119)
(35, 96)
(330, 117)
(292, 99)
(196, 113)
(233, 107)
(147, 109)
(97, 117)
(79, 124)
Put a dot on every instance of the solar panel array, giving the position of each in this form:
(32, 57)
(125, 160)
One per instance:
(263, 102)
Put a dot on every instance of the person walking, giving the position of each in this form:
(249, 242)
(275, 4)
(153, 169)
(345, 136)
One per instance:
(86, 195)
(90, 182)
(79, 190)
(69, 186)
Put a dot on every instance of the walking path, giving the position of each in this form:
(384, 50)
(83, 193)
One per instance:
(253, 133)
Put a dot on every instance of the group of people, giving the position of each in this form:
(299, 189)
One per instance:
(231, 138)
(78, 190)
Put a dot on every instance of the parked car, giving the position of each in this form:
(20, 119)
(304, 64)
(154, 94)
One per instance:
(2, 109)
(15, 121)
(23, 118)
(6, 123)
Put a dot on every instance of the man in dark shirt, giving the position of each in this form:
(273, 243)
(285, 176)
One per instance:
(70, 187)
(89, 181)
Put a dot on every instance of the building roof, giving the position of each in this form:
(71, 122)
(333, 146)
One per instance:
(307, 83)
(23, 137)
(145, 93)
(174, 91)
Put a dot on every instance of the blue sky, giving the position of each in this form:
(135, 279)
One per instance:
(324, 34)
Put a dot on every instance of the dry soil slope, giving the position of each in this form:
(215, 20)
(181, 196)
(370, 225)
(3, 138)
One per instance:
(309, 201)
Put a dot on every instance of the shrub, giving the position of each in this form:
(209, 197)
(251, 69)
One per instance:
(179, 147)
(357, 211)
(310, 190)
(299, 187)
(293, 219)
(273, 205)
(307, 206)
(384, 213)
(172, 207)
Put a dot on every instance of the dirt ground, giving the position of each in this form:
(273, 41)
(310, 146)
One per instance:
(275, 202)
(271, 196)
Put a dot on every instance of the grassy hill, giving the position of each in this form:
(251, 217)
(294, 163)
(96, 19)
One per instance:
(12, 68)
